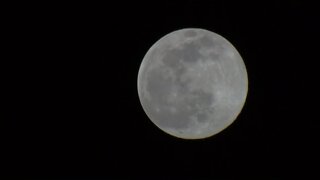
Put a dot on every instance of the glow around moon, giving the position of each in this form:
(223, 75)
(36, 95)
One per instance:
(192, 83)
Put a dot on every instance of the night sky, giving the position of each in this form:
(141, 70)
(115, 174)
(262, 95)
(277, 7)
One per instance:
(71, 106)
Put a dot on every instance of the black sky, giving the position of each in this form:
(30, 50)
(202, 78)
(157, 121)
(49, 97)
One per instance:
(72, 108)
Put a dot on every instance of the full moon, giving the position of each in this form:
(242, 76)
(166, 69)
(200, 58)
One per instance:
(192, 83)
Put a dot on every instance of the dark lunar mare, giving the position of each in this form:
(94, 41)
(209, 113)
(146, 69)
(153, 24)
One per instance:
(160, 87)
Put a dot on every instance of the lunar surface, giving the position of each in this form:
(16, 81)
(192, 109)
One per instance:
(192, 83)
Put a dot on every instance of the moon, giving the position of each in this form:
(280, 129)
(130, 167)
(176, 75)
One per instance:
(192, 83)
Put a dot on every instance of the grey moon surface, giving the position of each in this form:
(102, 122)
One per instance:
(192, 83)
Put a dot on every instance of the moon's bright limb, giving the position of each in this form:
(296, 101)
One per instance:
(192, 83)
